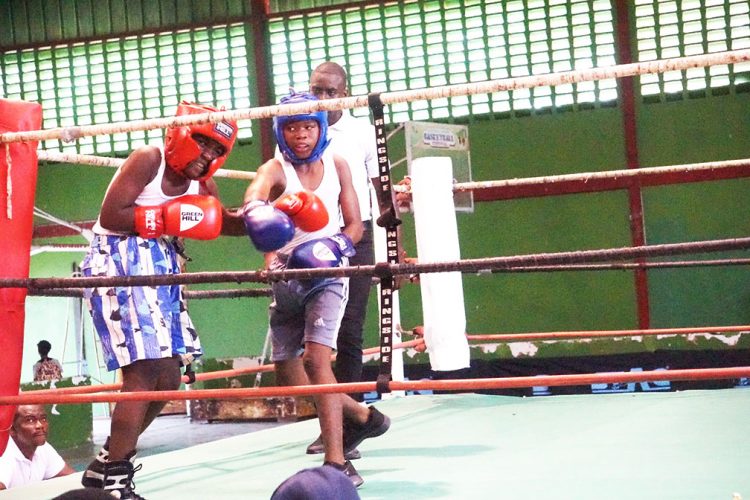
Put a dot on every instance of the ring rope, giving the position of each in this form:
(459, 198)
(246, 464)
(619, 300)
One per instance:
(482, 265)
(501, 337)
(635, 174)
(409, 385)
(530, 337)
(267, 292)
(616, 266)
(69, 134)
(213, 375)
(108, 161)
(189, 294)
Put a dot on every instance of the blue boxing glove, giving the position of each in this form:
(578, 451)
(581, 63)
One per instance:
(268, 228)
(321, 253)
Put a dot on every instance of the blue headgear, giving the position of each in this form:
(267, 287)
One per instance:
(319, 116)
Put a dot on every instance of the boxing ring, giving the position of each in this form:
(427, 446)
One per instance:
(686, 445)
(638, 445)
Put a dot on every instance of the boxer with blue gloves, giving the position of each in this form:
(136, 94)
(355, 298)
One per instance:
(292, 213)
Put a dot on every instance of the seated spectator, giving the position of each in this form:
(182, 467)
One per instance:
(29, 458)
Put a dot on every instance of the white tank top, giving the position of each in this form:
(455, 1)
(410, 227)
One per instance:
(328, 191)
(152, 195)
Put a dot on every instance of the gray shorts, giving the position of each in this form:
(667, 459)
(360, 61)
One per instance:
(301, 312)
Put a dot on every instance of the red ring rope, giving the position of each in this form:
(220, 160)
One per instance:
(411, 385)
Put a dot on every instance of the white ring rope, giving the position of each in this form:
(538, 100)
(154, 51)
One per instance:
(69, 134)
(108, 161)
(640, 173)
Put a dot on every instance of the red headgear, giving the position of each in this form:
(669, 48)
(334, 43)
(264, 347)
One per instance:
(180, 149)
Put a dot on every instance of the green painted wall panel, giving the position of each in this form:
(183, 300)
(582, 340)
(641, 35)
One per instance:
(6, 35)
(710, 129)
(37, 32)
(102, 16)
(151, 16)
(168, 12)
(134, 15)
(84, 17)
(184, 11)
(20, 22)
(52, 21)
(69, 18)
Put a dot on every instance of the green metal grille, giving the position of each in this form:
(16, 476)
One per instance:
(416, 44)
(682, 28)
(129, 78)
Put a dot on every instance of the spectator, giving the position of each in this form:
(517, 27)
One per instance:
(29, 458)
(46, 368)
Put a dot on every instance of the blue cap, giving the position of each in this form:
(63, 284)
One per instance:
(319, 116)
(318, 483)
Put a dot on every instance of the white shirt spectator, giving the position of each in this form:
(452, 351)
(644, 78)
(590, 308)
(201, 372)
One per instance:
(354, 140)
(17, 470)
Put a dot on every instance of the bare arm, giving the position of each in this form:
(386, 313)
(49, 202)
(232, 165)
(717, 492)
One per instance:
(353, 227)
(67, 469)
(118, 207)
(268, 184)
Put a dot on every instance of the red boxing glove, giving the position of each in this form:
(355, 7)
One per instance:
(306, 210)
(190, 216)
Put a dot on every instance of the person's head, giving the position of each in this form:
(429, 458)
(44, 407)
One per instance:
(30, 426)
(44, 348)
(317, 483)
(198, 151)
(85, 494)
(328, 81)
(301, 138)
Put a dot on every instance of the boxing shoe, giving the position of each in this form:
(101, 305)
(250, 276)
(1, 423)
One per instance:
(348, 469)
(93, 476)
(354, 433)
(316, 448)
(118, 480)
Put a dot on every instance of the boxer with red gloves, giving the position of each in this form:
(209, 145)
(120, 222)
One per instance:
(158, 194)
(313, 187)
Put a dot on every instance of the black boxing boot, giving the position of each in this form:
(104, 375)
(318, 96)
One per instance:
(118, 479)
(93, 476)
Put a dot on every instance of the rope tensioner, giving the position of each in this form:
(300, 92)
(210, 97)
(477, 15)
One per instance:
(486, 87)
(492, 264)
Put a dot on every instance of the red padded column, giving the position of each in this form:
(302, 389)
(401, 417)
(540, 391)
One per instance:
(17, 186)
